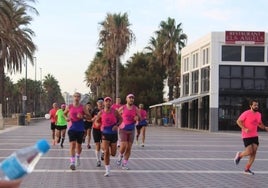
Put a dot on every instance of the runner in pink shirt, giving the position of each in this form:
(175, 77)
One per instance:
(116, 106)
(53, 120)
(249, 121)
(141, 127)
(110, 121)
(131, 116)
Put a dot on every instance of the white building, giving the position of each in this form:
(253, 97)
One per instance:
(220, 72)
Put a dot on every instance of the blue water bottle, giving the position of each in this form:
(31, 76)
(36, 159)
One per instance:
(23, 161)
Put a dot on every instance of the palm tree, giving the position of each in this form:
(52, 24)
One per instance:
(96, 73)
(16, 44)
(171, 40)
(115, 38)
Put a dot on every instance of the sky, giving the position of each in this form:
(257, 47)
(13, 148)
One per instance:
(67, 32)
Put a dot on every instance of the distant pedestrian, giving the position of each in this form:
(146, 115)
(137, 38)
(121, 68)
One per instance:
(61, 125)
(131, 115)
(75, 113)
(249, 121)
(96, 132)
(141, 127)
(88, 126)
(53, 120)
(110, 119)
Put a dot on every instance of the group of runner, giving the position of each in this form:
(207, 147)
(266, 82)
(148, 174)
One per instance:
(113, 126)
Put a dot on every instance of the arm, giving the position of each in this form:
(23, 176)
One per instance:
(87, 114)
(240, 123)
(262, 126)
(119, 120)
(65, 114)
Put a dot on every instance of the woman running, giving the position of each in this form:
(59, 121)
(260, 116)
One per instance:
(141, 127)
(61, 125)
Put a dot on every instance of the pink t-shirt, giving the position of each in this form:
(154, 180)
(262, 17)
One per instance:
(251, 121)
(143, 114)
(116, 106)
(52, 113)
(108, 120)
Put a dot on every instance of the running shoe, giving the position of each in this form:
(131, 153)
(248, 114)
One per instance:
(72, 166)
(142, 145)
(237, 158)
(102, 156)
(107, 173)
(248, 172)
(119, 161)
(125, 167)
(98, 164)
(61, 145)
(137, 143)
(77, 161)
(88, 146)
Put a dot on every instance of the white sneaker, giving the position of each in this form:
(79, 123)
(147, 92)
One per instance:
(77, 161)
(125, 167)
(107, 173)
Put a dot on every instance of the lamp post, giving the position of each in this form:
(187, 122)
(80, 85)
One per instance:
(40, 95)
(35, 64)
(7, 107)
(24, 97)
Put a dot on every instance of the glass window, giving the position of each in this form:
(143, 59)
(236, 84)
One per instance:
(248, 72)
(254, 53)
(260, 72)
(235, 71)
(231, 53)
(260, 84)
(248, 84)
(224, 83)
(235, 83)
(195, 76)
(224, 71)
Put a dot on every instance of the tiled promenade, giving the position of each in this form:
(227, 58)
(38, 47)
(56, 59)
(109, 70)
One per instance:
(170, 158)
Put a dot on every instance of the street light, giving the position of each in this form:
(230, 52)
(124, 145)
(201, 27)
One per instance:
(7, 107)
(35, 64)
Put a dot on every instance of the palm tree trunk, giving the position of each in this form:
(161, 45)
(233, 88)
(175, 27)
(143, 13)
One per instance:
(117, 77)
(2, 79)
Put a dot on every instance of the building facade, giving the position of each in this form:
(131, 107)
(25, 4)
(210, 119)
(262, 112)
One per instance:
(220, 72)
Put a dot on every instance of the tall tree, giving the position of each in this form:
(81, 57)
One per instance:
(115, 37)
(53, 91)
(171, 40)
(16, 43)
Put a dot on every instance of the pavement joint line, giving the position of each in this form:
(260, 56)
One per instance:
(151, 171)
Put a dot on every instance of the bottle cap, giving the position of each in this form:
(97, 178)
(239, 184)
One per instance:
(43, 146)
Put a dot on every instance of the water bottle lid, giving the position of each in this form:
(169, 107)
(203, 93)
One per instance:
(43, 145)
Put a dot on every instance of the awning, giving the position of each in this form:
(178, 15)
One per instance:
(180, 100)
(187, 98)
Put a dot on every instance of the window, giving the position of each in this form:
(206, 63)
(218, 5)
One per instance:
(205, 79)
(185, 84)
(205, 54)
(186, 64)
(231, 53)
(195, 77)
(243, 78)
(195, 60)
(254, 53)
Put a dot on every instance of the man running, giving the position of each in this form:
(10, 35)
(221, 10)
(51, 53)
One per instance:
(116, 106)
(53, 120)
(61, 125)
(75, 113)
(109, 119)
(249, 121)
(130, 115)
(96, 132)
(141, 127)
(88, 127)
